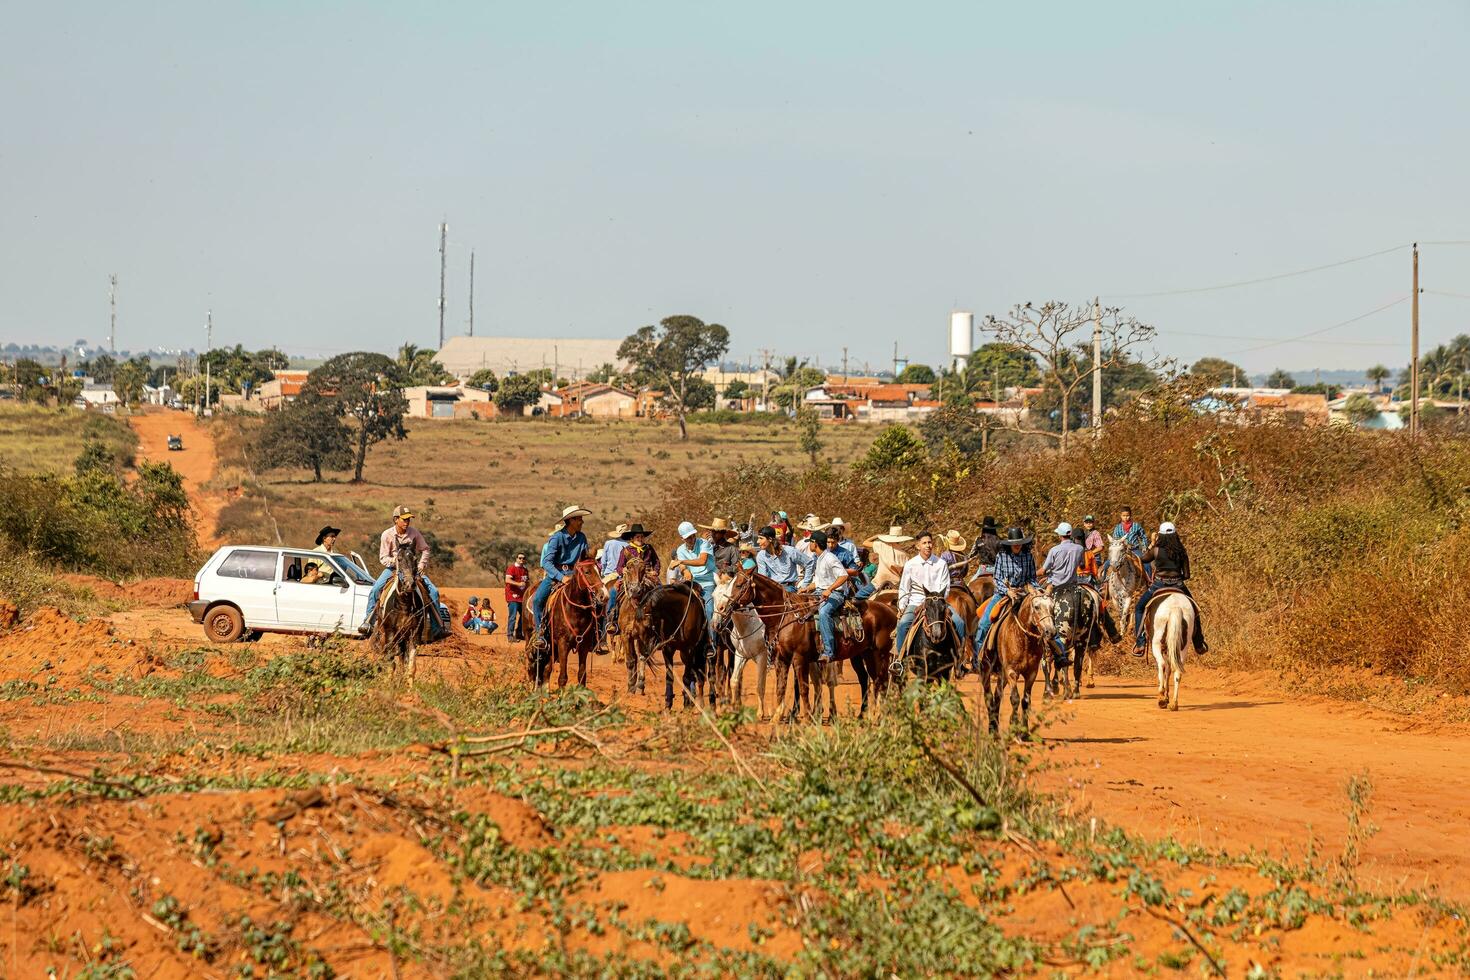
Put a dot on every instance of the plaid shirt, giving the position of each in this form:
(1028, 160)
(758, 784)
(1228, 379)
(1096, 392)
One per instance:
(1013, 571)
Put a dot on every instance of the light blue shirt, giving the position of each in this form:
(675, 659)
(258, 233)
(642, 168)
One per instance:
(784, 566)
(1062, 562)
(610, 552)
(704, 574)
(846, 553)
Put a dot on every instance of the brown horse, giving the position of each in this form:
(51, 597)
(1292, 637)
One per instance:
(636, 579)
(967, 607)
(670, 619)
(1014, 651)
(403, 619)
(791, 634)
(571, 615)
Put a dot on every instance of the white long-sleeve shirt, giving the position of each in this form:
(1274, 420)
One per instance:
(919, 574)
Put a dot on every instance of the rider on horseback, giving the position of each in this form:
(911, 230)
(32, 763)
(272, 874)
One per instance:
(1171, 571)
(830, 579)
(1015, 569)
(925, 572)
(638, 548)
(776, 561)
(403, 535)
(955, 557)
(1060, 571)
(566, 546)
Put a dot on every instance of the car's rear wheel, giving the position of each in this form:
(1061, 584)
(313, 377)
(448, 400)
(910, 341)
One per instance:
(223, 624)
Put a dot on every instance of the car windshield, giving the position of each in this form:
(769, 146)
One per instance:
(351, 570)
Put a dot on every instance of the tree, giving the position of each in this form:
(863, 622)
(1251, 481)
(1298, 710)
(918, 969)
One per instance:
(1280, 379)
(604, 374)
(1360, 408)
(1378, 374)
(674, 354)
(895, 448)
(795, 384)
(129, 378)
(962, 426)
(101, 367)
(990, 370)
(366, 390)
(307, 432)
(484, 379)
(809, 437)
(701, 394)
(516, 392)
(1052, 332)
(737, 389)
(418, 367)
(237, 369)
(1319, 388)
(1122, 380)
(1218, 371)
(916, 374)
(95, 456)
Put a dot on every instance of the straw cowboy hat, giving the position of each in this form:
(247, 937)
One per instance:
(620, 531)
(812, 524)
(717, 524)
(569, 513)
(955, 541)
(895, 535)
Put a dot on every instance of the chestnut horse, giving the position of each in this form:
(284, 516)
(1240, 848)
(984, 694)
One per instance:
(1013, 652)
(571, 614)
(792, 634)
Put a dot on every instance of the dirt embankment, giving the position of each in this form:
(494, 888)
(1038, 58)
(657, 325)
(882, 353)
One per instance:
(195, 462)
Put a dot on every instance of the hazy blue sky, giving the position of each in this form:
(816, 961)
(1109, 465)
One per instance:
(810, 175)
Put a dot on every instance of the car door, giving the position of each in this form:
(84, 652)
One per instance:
(247, 578)
(315, 606)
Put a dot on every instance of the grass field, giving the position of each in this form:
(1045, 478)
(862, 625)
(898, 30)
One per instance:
(483, 483)
(34, 439)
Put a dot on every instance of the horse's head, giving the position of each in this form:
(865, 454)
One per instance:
(1043, 614)
(1117, 548)
(585, 576)
(935, 616)
(724, 604)
(742, 589)
(634, 582)
(405, 569)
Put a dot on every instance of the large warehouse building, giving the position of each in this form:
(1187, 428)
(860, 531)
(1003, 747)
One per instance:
(568, 358)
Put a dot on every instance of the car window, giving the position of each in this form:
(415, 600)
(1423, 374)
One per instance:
(249, 564)
(352, 572)
(310, 569)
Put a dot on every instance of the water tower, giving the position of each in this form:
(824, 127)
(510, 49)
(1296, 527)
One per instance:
(961, 338)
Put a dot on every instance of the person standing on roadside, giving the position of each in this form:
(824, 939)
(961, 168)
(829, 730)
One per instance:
(517, 577)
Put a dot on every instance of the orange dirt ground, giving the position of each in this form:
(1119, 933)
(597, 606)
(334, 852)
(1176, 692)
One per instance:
(195, 462)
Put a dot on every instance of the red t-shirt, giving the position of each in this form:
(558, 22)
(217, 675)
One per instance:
(516, 577)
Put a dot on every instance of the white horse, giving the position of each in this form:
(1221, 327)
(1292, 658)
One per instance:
(1173, 625)
(748, 635)
(1125, 580)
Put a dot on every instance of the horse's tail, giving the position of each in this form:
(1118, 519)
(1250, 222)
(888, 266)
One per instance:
(1176, 633)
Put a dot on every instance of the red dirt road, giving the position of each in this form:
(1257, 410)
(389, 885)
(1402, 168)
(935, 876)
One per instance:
(195, 462)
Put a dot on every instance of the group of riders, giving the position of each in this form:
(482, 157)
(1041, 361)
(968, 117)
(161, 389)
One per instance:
(820, 558)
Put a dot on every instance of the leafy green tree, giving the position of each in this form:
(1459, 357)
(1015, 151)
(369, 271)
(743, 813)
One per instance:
(992, 368)
(1218, 371)
(896, 448)
(737, 389)
(1360, 408)
(484, 379)
(604, 374)
(307, 432)
(672, 356)
(31, 380)
(95, 456)
(235, 369)
(1318, 388)
(516, 392)
(809, 434)
(1280, 379)
(129, 378)
(700, 395)
(962, 426)
(418, 367)
(1123, 378)
(366, 390)
(916, 374)
(796, 384)
(101, 367)
(1378, 374)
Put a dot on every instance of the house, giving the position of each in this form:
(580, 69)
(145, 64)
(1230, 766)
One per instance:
(284, 387)
(448, 402)
(96, 395)
(163, 394)
(1266, 404)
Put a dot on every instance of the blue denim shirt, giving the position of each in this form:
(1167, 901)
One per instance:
(846, 552)
(1137, 540)
(610, 552)
(562, 550)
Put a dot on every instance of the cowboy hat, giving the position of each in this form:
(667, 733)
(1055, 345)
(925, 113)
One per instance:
(717, 524)
(955, 541)
(837, 522)
(618, 532)
(812, 524)
(632, 530)
(987, 526)
(329, 529)
(402, 510)
(895, 535)
(746, 546)
(569, 513)
(1016, 535)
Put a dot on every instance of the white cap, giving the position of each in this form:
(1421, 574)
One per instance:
(1167, 527)
(1064, 529)
(687, 530)
(838, 522)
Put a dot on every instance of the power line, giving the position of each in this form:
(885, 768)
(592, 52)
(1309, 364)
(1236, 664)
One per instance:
(1224, 336)
(1252, 282)
(1441, 292)
(1314, 333)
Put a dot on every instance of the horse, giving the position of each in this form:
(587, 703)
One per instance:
(793, 638)
(1126, 579)
(1081, 622)
(933, 647)
(1170, 629)
(1014, 652)
(669, 619)
(967, 607)
(748, 636)
(403, 619)
(571, 614)
(637, 578)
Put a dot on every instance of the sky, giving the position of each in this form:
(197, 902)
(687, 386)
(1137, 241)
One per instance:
(814, 176)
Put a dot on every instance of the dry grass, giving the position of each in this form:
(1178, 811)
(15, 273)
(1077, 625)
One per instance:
(474, 482)
(34, 439)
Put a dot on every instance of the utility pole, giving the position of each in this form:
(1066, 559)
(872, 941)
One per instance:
(766, 379)
(895, 360)
(112, 302)
(443, 242)
(1096, 369)
(208, 346)
(844, 365)
(472, 294)
(1414, 355)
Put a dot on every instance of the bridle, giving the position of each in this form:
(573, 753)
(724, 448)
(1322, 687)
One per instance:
(579, 574)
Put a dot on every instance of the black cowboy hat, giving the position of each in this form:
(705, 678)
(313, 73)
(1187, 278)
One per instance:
(1079, 535)
(1016, 535)
(632, 530)
(329, 529)
(987, 526)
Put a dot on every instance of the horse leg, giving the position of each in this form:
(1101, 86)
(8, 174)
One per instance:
(1024, 683)
(413, 644)
(581, 668)
(737, 675)
(1157, 648)
(1079, 657)
(783, 668)
(762, 664)
(694, 681)
(994, 682)
(829, 676)
(860, 667)
(668, 679)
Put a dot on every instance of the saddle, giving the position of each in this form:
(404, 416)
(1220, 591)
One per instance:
(436, 623)
(1004, 607)
(1153, 602)
(850, 623)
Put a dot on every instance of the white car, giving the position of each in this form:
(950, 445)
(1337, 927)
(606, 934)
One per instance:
(250, 588)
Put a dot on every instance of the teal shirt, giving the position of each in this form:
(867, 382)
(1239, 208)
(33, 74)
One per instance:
(705, 574)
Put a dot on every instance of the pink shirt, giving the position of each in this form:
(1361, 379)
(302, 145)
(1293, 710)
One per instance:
(389, 542)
